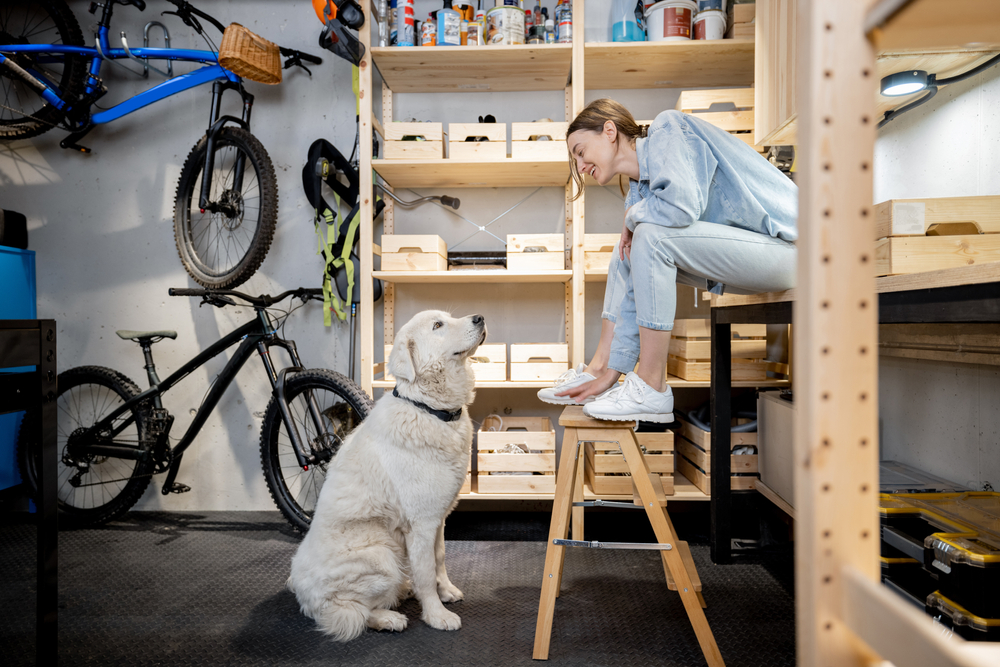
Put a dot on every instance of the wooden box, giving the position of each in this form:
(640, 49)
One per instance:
(607, 472)
(915, 254)
(414, 252)
(690, 351)
(532, 362)
(529, 253)
(493, 148)
(743, 23)
(693, 447)
(937, 217)
(597, 251)
(703, 480)
(430, 144)
(532, 471)
(523, 147)
(737, 122)
(489, 363)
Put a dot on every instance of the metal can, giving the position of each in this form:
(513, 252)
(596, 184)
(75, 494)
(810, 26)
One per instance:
(565, 31)
(405, 35)
(505, 25)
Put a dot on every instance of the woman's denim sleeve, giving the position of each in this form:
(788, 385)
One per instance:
(677, 166)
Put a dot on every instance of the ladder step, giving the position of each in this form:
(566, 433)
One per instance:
(652, 546)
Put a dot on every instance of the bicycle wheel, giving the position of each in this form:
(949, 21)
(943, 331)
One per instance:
(23, 112)
(222, 248)
(92, 488)
(342, 404)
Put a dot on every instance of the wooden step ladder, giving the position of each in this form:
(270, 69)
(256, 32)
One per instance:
(677, 562)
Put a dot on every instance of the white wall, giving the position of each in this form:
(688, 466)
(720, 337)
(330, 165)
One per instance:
(937, 416)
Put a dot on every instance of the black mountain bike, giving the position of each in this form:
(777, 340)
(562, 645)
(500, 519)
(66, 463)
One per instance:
(113, 438)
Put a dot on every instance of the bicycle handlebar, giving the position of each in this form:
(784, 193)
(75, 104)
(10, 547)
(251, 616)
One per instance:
(262, 301)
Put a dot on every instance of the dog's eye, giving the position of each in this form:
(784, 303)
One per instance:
(438, 325)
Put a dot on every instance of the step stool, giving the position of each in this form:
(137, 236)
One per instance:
(678, 565)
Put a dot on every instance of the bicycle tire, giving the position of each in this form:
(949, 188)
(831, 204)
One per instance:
(201, 235)
(293, 489)
(14, 23)
(111, 486)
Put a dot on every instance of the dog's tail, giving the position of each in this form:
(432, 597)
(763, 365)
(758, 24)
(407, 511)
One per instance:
(344, 620)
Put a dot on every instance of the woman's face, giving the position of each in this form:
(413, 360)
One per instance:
(595, 152)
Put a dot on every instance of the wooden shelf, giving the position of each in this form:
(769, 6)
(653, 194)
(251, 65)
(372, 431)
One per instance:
(389, 384)
(473, 276)
(683, 490)
(446, 173)
(673, 381)
(682, 64)
(474, 69)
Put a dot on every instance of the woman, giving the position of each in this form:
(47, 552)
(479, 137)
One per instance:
(703, 209)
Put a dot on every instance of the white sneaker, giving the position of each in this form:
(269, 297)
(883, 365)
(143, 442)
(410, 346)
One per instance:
(569, 379)
(633, 400)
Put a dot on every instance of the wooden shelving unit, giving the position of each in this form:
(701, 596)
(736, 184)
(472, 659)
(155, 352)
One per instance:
(473, 276)
(448, 173)
(681, 64)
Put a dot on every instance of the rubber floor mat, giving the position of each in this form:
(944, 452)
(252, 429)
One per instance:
(207, 588)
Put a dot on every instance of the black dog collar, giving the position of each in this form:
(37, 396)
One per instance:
(443, 415)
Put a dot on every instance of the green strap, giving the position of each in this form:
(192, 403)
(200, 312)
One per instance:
(331, 302)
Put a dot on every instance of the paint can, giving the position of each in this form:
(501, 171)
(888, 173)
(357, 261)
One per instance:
(504, 25)
(710, 24)
(670, 20)
(706, 5)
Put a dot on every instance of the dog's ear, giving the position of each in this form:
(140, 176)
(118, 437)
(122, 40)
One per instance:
(402, 360)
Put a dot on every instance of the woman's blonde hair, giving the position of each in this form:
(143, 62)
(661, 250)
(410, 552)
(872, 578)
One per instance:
(592, 119)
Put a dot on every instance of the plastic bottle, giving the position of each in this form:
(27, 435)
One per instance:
(405, 35)
(539, 19)
(624, 27)
(564, 23)
(550, 31)
(449, 26)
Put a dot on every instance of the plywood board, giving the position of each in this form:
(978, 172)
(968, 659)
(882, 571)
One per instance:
(928, 24)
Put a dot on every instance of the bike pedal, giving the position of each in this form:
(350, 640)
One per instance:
(74, 146)
(179, 488)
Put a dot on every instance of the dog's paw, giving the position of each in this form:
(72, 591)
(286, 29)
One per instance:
(386, 619)
(449, 592)
(442, 620)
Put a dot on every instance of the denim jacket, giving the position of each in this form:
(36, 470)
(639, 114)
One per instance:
(690, 170)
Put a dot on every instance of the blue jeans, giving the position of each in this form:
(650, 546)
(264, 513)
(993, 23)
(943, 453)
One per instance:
(642, 291)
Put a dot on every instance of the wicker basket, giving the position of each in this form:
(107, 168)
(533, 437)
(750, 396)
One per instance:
(250, 56)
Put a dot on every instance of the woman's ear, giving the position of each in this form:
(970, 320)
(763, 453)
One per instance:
(402, 363)
(611, 131)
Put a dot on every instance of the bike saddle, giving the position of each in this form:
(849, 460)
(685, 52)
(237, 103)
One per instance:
(140, 4)
(150, 336)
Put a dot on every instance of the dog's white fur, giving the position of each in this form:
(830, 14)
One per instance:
(379, 520)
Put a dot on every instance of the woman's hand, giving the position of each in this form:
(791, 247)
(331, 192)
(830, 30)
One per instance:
(625, 245)
(598, 386)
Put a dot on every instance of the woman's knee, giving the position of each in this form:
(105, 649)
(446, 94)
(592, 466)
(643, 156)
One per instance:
(651, 242)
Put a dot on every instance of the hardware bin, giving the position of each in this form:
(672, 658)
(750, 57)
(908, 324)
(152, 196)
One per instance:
(414, 252)
(489, 363)
(607, 472)
(522, 147)
(597, 251)
(694, 457)
(430, 145)
(917, 217)
(529, 253)
(531, 362)
(965, 624)
(691, 347)
(493, 148)
(530, 472)
(738, 122)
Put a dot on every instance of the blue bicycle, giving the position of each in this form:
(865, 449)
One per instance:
(227, 198)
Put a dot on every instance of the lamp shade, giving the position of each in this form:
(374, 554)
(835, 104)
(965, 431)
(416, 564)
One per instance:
(904, 83)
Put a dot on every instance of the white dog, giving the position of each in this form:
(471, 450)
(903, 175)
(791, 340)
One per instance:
(379, 520)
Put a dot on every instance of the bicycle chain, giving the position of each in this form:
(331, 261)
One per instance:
(27, 115)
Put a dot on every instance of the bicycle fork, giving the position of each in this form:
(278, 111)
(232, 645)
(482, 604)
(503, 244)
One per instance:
(216, 124)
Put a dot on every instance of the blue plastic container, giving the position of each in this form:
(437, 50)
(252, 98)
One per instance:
(17, 302)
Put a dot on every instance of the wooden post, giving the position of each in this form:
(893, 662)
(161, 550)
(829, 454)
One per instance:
(835, 321)
(367, 210)
(577, 348)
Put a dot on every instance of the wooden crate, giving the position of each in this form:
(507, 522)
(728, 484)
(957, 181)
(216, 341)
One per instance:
(703, 439)
(915, 254)
(690, 351)
(489, 363)
(597, 251)
(430, 145)
(414, 252)
(743, 24)
(607, 472)
(494, 148)
(530, 362)
(529, 253)
(954, 215)
(523, 147)
(739, 463)
(703, 480)
(537, 465)
(739, 122)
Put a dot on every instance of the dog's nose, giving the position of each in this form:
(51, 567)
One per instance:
(477, 319)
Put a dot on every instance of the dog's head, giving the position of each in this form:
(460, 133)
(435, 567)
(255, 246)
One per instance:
(431, 354)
